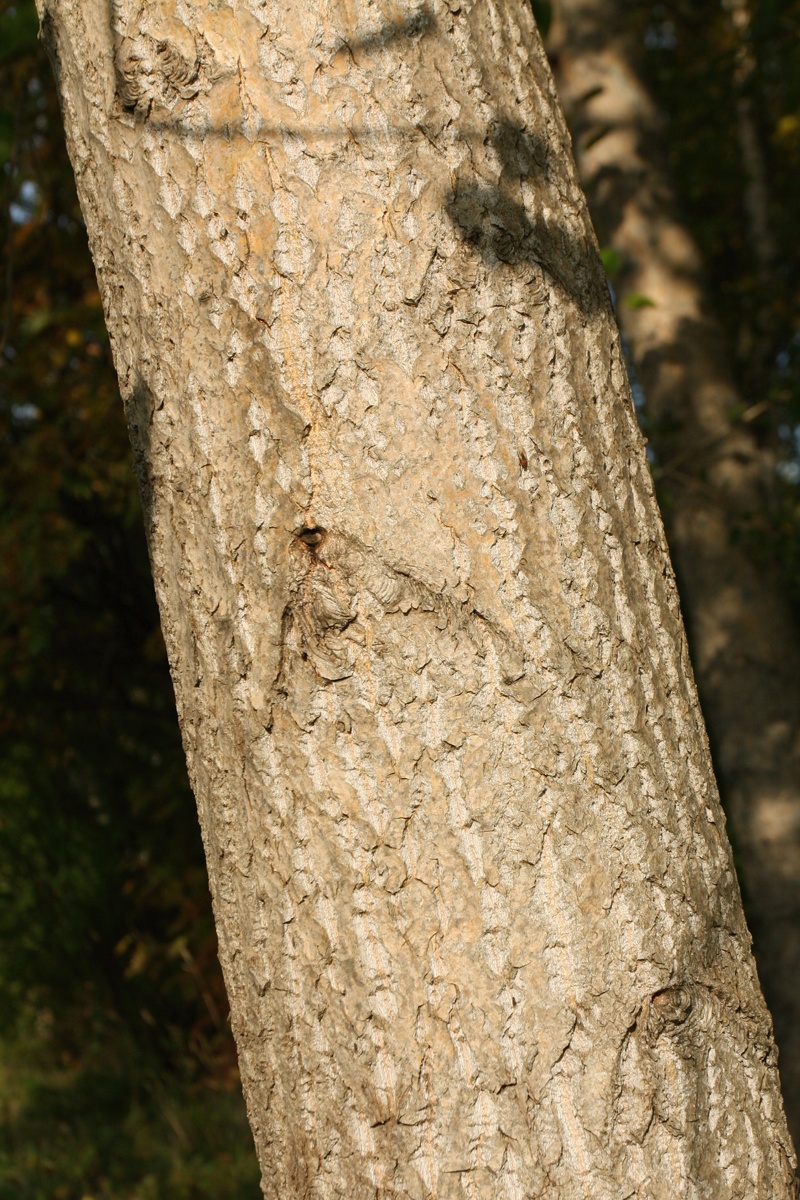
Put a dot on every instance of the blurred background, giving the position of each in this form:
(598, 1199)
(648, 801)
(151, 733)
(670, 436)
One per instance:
(118, 1076)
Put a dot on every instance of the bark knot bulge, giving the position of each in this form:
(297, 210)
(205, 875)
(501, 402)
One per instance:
(337, 584)
(152, 70)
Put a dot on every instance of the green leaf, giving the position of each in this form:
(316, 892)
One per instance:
(612, 261)
(36, 321)
(637, 300)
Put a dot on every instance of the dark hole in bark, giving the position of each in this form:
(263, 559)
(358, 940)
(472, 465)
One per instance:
(311, 535)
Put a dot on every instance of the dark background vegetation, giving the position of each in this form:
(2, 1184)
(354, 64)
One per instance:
(118, 1076)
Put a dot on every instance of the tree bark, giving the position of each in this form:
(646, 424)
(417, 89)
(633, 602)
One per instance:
(477, 913)
(745, 644)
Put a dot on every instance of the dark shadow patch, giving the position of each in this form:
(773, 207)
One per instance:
(139, 409)
(416, 25)
(492, 218)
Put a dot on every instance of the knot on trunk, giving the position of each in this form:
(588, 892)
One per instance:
(668, 1009)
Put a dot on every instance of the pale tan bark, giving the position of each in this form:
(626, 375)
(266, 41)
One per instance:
(477, 913)
(744, 641)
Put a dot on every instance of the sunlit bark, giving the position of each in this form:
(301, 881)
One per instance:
(477, 914)
(712, 471)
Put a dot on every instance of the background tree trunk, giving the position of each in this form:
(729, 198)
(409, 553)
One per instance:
(744, 640)
(757, 191)
(476, 909)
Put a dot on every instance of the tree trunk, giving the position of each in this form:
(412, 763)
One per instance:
(476, 910)
(745, 644)
(756, 195)
(756, 336)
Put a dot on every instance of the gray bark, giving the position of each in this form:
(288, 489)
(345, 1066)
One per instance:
(745, 644)
(476, 909)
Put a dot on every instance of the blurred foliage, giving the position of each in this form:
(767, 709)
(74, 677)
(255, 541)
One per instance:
(543, 13)
(105, 1126)
(118, 1075)
(692, 56)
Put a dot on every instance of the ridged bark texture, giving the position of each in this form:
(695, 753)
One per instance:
(745, 642)
(476, 909)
